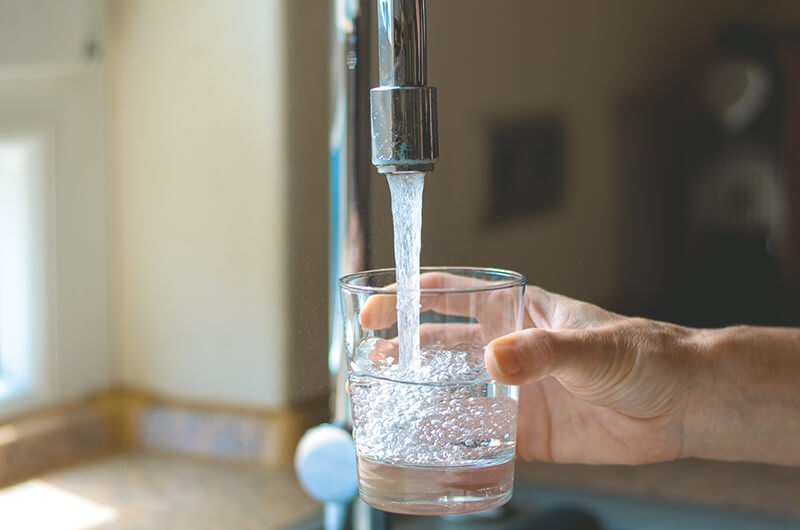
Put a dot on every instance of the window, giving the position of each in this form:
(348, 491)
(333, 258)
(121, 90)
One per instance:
(23, 266)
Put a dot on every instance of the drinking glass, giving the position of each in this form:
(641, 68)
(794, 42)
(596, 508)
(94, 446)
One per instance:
(434, 433)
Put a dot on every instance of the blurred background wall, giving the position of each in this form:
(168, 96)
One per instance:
(584, 66)
(229, 287)
(578, 61)
(571, 60)
(190, 213)
(198, 114)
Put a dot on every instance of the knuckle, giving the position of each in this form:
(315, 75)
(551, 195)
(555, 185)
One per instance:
(638, 322)
(543, 347)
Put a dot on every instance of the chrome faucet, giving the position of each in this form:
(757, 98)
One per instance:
(405, 134)
(404, 138)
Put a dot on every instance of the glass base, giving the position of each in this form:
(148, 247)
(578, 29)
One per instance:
(435, 490)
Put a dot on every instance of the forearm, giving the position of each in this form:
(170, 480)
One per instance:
(744, 402)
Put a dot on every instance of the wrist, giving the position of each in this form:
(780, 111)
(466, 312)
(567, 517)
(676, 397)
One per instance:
(708, 414)
(743, 401)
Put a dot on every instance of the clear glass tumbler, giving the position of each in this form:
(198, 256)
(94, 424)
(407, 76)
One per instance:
(434, 433)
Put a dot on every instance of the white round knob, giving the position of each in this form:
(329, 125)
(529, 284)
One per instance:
(325, 462)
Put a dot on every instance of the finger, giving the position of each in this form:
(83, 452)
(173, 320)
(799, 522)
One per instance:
(380, 310)
(446, 280)
(450, 335)
(580, 357)
(554, 311)
(385, 349)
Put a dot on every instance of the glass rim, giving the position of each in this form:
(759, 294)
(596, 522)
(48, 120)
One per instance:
(510, 279)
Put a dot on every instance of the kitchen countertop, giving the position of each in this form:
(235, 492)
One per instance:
(147, 491)
(138, 491)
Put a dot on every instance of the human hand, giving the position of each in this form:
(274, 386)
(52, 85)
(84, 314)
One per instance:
(601, 388)
(595, 387)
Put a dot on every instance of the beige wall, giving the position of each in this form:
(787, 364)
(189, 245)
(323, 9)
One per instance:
(197, 110)
(219, 124)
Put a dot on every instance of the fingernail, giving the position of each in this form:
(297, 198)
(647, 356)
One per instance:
(505, 356)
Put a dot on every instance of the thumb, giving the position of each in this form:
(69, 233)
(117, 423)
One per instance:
(578, 357)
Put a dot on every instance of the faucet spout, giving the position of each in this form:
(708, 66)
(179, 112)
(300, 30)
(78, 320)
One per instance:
(405, 134)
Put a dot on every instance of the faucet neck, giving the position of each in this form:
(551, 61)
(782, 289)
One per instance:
(405, 134)
(402, 43)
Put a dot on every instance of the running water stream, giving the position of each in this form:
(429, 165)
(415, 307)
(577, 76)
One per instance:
(406, 190)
